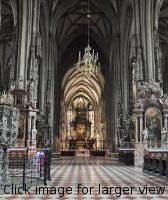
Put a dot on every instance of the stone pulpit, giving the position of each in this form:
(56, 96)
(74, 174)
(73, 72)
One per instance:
(9, 117)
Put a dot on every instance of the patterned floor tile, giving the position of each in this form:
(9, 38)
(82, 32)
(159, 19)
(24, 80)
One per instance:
(100, 174)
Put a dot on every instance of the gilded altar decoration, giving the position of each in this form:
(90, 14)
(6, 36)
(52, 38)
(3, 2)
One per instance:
(80, 131)
(80, 123)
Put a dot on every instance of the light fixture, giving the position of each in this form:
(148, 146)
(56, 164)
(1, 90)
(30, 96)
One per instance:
(88, 65)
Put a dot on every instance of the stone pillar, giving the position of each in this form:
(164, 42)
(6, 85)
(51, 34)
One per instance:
(29, 131)
(139, 145)
(164, 133)
(22, 58)
(140, 126)
(32, 131)
(165, 116)
(136, 129)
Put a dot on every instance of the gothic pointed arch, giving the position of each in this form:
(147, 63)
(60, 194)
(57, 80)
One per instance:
(81, 104)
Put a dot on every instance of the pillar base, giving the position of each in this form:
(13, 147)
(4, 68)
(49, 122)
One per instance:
(18, 143)
(164, 146)
(4, 177)
(32, 146)
(139, 153)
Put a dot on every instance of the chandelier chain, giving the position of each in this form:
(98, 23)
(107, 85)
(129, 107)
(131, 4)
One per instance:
(88, 20)
(87, 65)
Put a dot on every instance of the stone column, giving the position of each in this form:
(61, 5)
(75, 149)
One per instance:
(136, 129)
(32, 131)
(164, 141)
(139, 145)
(29, 126)
(140, 125)
(29, 131)
(165, 116)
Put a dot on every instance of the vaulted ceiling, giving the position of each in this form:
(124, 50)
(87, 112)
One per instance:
(74, 31)
(163, 33)
(6, 21)
(75, 86)
(75, 19)
(163, 22)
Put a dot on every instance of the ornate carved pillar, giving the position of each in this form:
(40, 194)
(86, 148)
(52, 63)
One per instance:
(165, 118)
(139, 124)
(139, 146)
(32, 131)
(29, 130)
(22, 73)
(136, 129)
(29, 126)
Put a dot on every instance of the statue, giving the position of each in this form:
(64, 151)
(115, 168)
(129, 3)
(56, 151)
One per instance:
(80, 131)
(34, 133)
(164, 135)
(139, 104)
(121, 142)
(145, 134)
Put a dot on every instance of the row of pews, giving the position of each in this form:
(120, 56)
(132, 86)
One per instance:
(91, 152)
(97, 153)
(156, 161)
(68, 153)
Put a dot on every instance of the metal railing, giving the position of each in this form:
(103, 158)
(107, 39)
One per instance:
(25, 170)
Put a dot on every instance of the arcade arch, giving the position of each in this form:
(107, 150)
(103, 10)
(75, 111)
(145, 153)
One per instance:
(82, 110)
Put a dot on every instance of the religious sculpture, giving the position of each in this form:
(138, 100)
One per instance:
(34, 133)
(145, 134)
(139, 104)
(164, 136)
(150, 93)
(80, 131)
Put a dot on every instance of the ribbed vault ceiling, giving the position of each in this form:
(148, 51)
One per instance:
(6, 21)
(163, 22)
(163, 33)
(75, 86)
(76, 19)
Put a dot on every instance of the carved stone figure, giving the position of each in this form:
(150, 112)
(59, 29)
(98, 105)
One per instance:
(139, 104)
(34, 134)
(164, 136)
(145, 134)
(153, 99)
(32, 91)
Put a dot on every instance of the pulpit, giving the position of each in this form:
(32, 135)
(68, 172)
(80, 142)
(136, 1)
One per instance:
(9, 117)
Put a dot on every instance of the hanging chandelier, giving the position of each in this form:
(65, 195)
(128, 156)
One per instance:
(88, 64)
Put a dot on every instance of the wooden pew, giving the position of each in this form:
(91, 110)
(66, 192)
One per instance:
(156, 161)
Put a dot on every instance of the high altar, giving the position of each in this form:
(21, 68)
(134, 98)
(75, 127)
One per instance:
(80, 137)
(81, 128)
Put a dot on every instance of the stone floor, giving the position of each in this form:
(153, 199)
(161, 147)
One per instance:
(96, 178)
